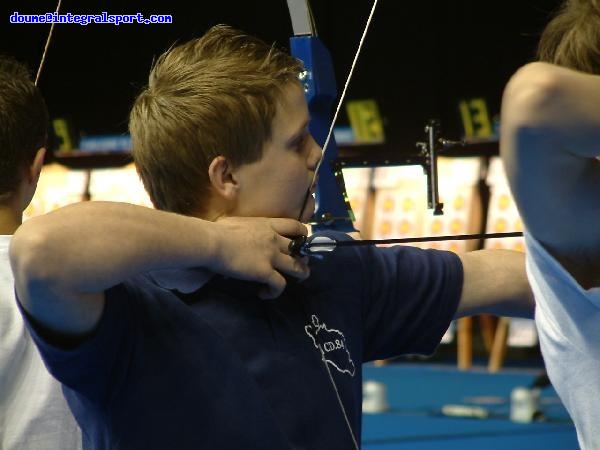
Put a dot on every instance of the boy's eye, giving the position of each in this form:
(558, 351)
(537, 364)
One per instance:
(299, 143)
(302, 142)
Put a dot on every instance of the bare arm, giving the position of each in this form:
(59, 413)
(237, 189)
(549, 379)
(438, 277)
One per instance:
(64, 261)
(550, 137)
(495, 283)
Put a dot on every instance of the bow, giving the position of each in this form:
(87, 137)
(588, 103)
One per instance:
(333, 210)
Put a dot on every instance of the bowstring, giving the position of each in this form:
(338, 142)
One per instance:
(346, 84)
(46, 46)
(339, 104)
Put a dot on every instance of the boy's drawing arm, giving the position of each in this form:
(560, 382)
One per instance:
(65, 260)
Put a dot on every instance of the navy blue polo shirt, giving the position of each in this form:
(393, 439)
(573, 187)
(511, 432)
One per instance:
(175, 365)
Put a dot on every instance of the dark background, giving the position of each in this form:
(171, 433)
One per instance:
(420, 58)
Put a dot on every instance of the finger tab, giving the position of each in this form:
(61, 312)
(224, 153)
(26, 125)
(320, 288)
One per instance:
(297, 246)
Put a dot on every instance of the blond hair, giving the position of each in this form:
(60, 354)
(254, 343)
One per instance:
(572, 38)
(215, 95)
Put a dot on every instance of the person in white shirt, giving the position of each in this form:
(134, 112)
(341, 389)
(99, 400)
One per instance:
(550, 144)
(33, 412)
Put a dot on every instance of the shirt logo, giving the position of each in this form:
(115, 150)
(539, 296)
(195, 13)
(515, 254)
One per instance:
(332, 345)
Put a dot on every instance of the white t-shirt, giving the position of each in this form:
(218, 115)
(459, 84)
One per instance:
(33, 412)
(568, 322)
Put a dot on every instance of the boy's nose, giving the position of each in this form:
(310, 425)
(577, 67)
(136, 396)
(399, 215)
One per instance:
(315, 155)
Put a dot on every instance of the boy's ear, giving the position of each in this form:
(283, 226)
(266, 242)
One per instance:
(35, 169)
(222, 177)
